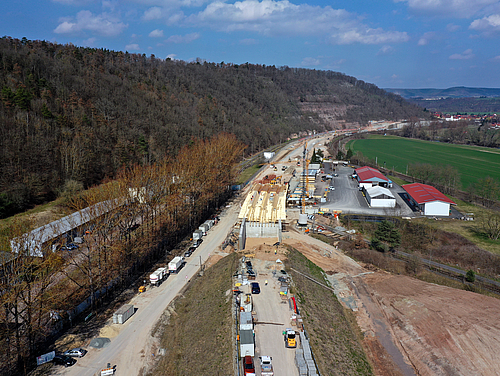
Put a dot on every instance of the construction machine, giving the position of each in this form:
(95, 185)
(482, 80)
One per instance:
(289, 337)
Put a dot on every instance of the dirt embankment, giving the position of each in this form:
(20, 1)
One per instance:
(410, 326)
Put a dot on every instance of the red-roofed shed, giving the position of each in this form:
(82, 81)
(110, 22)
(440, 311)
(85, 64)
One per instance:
(369, 177)
(429, 199)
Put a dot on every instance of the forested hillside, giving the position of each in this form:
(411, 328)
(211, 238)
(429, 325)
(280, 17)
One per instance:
(74, 114)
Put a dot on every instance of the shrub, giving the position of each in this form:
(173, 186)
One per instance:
(470, 276)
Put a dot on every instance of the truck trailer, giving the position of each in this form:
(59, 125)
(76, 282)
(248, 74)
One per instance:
(246, 322)
(176, 264)
(157, 276)
(198, 234)
(204, 228)
(247, 346)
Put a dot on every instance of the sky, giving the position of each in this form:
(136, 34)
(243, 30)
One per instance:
(390, 43)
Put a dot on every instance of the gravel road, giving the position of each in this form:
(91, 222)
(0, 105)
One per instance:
(273, 317)
(130, 350)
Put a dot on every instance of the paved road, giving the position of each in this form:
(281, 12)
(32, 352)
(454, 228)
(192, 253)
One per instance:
(130, 347)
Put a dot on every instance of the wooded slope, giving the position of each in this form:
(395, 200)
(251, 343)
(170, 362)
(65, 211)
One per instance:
(79, 114)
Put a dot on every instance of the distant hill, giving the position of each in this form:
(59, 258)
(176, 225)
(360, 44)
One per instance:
(79, 114)
(452, 92)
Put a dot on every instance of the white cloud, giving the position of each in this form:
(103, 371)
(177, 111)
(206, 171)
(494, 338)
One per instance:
(496, 59)
(156, 33)
(490, 23)
(171, 56)
(369, 36)
(188, 38)
(448, 8)
(467, 54)
(424, 39)
(310, 62)
(335, 64)
(452, 28)
(132, 47)
(89, 42)
(385, 50)
(154, 13)
(248, 41)
(282, 18)
(103, 24)
(395, 79)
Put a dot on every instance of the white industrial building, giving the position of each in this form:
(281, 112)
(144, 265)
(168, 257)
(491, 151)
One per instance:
(428, 199)
(380, 197)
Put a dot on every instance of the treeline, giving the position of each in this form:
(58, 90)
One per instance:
(136, 219)
(75, 113)
(455, 132)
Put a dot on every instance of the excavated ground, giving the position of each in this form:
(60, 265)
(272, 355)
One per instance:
(410, 326)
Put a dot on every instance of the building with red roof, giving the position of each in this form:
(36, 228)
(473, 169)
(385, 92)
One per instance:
(429, 199)
(369, 177)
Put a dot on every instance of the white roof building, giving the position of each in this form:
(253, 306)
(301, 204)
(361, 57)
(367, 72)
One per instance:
(380, 197)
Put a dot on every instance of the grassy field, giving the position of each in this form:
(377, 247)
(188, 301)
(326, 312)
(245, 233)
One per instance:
(333, 331)
(197, 334)
(471, 162)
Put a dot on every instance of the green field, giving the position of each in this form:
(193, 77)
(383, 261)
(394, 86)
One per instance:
(472, 162)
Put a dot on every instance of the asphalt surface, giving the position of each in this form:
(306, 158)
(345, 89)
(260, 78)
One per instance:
(348, 198)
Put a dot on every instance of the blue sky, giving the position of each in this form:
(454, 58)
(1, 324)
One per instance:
(391, 43)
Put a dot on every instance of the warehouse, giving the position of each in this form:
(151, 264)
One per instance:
(428, 199)
(370, 177)
(380, 197)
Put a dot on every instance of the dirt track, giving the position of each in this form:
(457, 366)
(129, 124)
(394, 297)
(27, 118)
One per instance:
(414, 327)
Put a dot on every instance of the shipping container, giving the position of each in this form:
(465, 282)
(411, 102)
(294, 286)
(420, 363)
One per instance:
(247, 347)
(246, 322)
(123, 314)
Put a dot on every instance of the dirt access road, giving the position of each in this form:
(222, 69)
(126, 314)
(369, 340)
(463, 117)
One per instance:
(273, 318)
(412, 327)
(132, 346)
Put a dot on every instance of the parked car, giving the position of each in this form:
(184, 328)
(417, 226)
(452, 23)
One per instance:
(64, 360)
(77, 353)
(248, 365)
(255, 287)
(331, 188)
(189, 252)
(197, 243)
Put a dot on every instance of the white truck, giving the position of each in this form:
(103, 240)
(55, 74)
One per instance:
(198, 234)
(157, 276)
(266, 366)
(176, 264)
(204, 227)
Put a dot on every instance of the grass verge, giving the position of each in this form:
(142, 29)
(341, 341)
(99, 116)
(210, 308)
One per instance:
(248, 173)
(196, 332)
(333, 332)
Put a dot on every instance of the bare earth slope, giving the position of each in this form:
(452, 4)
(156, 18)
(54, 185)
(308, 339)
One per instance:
(409, 323)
